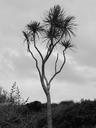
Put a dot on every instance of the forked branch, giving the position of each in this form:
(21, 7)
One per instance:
(36, 61)
(61, 67)
(50, 49)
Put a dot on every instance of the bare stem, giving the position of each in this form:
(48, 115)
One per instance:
(56, 62)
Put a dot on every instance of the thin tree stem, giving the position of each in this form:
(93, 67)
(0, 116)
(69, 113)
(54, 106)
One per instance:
(49, 111)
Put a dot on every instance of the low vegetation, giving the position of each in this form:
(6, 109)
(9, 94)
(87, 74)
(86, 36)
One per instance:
(66, 114)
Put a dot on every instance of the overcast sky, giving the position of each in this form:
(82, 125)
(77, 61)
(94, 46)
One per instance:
(78, 78)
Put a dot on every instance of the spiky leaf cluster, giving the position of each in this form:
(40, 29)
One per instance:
(32, 30)
(56, 28)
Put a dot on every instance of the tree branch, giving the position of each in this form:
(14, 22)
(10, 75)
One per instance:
(34, 59)
(45, 79)
(44, 87)
(50, 49)
(57, 72)
(38, 49)
(43, 72)
(49, 52)
(56, 62)
(59, 40)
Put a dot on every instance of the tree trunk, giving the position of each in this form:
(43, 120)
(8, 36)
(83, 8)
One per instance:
(49, 112)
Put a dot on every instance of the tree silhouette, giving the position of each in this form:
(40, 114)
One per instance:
(55, 31)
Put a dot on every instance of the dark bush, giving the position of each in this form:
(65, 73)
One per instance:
(34, 106)
(65, 115)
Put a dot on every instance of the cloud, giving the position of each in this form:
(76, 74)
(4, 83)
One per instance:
(20, 65)
(86, 48)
